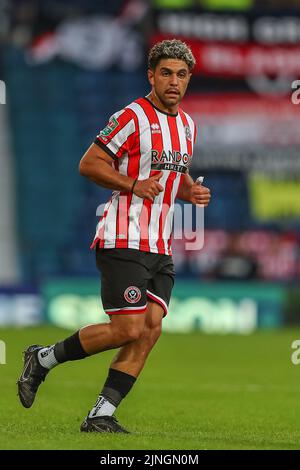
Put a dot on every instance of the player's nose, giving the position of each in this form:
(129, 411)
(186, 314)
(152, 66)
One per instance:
(174, 80)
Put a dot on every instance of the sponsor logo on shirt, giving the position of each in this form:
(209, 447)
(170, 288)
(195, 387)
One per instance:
(170, 160)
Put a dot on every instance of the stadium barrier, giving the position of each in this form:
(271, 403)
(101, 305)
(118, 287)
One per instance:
(208, 307)
(21, 306)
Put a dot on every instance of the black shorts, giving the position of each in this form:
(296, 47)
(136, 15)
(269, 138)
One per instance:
(129, 276)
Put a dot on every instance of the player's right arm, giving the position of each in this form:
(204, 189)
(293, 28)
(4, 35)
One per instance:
(97, 165)
(111, 144)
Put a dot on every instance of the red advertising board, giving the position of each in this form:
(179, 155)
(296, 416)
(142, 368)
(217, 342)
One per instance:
(242, 60)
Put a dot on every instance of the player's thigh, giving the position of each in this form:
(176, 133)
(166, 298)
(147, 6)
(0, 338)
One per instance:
(154, 314)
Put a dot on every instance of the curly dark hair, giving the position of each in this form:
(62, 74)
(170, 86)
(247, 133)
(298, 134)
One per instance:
(171, 49)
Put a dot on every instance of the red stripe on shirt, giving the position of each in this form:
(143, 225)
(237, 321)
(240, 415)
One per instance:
(186, 124)
(157, 143)
(100, 236)
(133, 168)
(170, 181)
(188, 142)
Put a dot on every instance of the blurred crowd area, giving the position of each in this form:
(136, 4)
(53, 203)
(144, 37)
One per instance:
(68, 65)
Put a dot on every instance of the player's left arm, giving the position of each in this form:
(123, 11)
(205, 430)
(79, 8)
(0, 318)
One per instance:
(192, 192)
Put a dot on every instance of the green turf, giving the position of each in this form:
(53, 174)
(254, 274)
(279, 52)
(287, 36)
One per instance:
(196, 392)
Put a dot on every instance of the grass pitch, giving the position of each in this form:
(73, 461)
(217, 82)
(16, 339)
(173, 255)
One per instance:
(196, 392)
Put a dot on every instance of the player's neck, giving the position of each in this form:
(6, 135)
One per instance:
(160, 105)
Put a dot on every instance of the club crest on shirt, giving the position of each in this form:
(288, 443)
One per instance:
(111, 126)
(188, 133)
(132, 294)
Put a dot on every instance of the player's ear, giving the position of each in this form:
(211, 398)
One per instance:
(151, 76)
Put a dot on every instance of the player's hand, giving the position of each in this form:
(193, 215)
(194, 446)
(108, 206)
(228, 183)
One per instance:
(199, 195)
(149, 188)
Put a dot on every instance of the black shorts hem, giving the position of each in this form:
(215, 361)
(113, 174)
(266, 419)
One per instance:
(159, 301)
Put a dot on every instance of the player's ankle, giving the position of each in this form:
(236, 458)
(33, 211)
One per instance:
(70, 349)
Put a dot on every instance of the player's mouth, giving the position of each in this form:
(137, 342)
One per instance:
(172, 93)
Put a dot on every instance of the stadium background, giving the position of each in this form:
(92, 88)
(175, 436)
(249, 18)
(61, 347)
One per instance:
(65, 67)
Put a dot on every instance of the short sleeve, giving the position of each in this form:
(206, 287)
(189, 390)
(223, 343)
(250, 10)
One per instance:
(113, 139)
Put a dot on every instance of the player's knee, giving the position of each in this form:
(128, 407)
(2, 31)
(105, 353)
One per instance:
(127, 333)
(133, 333)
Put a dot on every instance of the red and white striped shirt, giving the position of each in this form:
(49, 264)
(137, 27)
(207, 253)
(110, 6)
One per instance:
(144, 140)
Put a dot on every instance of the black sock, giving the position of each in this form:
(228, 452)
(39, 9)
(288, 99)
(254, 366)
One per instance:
(70, 349)
(117, 386)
